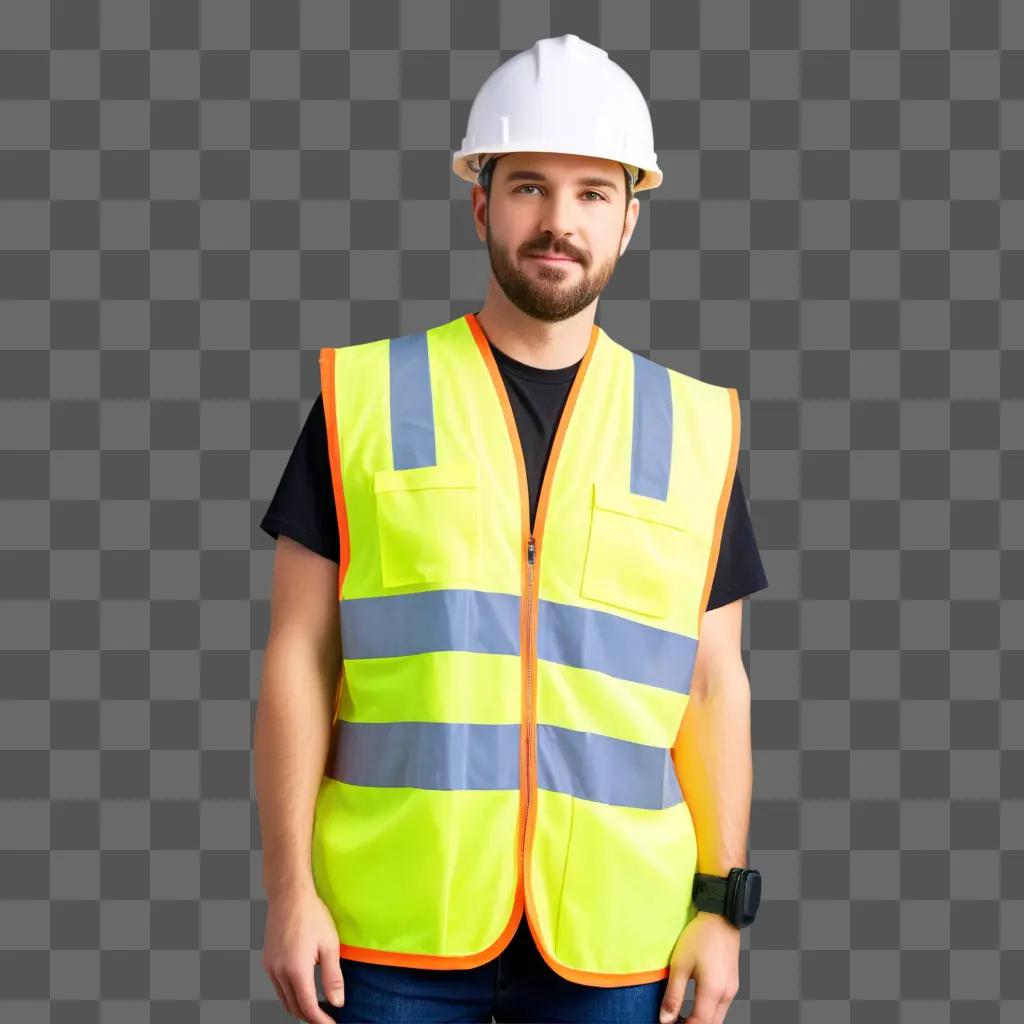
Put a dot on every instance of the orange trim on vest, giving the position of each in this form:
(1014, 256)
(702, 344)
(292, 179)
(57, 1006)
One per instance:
(330, 415)
(327, 391)
(441, 963)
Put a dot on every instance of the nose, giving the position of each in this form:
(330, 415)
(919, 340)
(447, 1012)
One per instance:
(556, 215)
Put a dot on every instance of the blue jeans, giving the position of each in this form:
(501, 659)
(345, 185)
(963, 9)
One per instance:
(517, 985)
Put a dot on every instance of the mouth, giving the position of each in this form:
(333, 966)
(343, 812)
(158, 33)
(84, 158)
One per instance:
(546, 258)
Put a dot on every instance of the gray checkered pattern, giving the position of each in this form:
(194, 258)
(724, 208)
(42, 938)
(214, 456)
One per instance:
(195, 197)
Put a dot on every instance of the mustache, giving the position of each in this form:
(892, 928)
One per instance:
(556, 250)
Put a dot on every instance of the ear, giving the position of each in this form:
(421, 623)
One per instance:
(478, 197)
(632, 216)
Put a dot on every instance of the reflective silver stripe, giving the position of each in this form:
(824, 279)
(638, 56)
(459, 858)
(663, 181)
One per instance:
(591, 766)
(651, 457)
(412, 402)
(426, 755)
(605, 642)
(391, 625)
(464, 756)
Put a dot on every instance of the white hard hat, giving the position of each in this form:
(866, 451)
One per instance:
(563, 95)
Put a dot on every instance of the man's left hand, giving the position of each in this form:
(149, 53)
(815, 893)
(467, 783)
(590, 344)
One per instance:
(708, 949)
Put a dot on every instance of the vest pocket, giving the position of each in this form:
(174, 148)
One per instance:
(637, 551)
(428, 524)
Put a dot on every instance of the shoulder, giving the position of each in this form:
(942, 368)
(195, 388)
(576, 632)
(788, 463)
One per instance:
(374, 345)
(687, 384)
(361, 345)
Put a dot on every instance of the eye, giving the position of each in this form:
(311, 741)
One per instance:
(590, 192)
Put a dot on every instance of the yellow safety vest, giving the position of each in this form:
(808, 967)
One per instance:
(507, 722)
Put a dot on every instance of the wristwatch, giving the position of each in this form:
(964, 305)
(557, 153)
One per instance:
(735, 896)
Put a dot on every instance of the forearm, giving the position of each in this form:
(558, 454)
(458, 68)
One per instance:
(292, 735)
(715, 763)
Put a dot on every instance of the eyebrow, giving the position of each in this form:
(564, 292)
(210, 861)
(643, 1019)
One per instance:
(537, 176)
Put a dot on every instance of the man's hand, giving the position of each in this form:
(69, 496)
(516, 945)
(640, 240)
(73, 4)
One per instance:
(300, 933)
(708, 949)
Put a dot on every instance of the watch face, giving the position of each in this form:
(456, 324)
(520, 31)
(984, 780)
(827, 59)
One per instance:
(751, 895)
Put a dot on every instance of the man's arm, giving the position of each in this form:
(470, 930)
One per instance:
(713, 755)
(714, 747)
(301, 664)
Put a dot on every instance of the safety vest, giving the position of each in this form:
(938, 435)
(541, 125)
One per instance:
(507, 720)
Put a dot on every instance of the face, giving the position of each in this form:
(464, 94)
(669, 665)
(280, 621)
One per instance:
(571, 209)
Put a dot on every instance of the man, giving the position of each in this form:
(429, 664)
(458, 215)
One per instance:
(482, 790)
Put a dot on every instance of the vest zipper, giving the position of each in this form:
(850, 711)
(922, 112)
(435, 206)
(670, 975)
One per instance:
(529, 661)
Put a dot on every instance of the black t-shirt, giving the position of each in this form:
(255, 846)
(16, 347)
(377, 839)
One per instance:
(303, 506)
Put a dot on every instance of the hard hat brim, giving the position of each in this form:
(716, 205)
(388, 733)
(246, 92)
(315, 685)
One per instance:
(463, 163)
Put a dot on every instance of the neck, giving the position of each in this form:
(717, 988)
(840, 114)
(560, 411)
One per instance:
(546, 345)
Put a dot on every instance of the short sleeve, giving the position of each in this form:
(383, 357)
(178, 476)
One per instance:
(739, 571)
(303, 507)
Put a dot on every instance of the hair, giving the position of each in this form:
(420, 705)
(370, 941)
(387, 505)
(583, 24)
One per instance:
(487, 172)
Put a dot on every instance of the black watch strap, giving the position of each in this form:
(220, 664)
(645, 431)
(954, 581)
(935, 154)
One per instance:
(710, 892)
(735, 896)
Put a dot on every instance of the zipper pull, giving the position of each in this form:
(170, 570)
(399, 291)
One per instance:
(529, 550)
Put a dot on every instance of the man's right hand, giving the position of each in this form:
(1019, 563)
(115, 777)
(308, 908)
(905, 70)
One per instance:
(300, 933)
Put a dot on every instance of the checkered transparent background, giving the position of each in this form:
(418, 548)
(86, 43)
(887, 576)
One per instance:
(195, 197)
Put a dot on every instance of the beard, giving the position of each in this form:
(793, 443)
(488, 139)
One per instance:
(551, 292)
